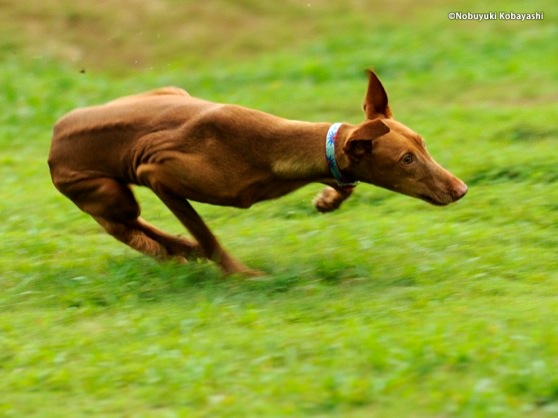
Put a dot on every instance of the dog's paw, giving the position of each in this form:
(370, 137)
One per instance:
(246, 273)
(232, 267)
(329, 200)
(254, 274)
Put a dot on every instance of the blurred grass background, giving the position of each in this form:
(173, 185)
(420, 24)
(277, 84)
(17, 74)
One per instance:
(387, 308)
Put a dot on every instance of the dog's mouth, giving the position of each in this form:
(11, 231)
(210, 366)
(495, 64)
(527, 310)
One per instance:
(431, 200)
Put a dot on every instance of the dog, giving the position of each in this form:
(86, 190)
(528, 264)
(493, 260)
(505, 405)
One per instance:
(184, 148)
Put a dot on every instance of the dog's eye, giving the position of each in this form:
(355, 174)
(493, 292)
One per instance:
(408, 159)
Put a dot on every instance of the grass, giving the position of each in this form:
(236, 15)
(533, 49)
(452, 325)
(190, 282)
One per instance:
(387, 308)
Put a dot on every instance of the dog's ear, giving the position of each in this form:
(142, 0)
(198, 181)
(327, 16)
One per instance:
(376, 100)
(360, 140)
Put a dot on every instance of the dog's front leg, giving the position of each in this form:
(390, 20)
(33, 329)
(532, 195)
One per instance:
(163, 181)
(211, 247)
(330, 198)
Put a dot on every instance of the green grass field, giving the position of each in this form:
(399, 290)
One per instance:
(388, 307)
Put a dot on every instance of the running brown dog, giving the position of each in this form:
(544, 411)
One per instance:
(183, 148)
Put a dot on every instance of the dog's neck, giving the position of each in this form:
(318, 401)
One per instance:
(305, 156)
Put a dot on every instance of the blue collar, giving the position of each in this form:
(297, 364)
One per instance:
(342, 181)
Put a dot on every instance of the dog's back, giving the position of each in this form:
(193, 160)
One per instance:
(130, 113)
(104, 140)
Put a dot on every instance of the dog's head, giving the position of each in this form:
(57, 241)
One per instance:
(384, 152)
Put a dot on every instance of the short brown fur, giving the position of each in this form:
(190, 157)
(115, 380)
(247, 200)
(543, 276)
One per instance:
(187, 148)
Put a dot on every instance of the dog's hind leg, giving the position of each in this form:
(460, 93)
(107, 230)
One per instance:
(114, 207)
(175, 245)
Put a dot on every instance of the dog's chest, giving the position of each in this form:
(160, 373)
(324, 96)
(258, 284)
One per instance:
(261, 191)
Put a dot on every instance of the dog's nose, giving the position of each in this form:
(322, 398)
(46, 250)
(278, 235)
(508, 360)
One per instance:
(460, 190)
